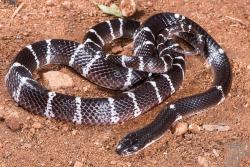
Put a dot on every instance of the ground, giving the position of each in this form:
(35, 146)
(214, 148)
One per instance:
(43, 142)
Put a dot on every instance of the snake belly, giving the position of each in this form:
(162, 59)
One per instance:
(155, 71)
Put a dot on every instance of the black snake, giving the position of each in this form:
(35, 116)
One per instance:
(155, 71)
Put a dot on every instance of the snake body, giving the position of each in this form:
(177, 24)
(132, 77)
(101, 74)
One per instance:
(155, 71)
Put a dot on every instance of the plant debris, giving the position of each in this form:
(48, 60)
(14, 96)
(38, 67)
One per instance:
(113, 9)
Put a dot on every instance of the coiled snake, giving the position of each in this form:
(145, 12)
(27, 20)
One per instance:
(155, 71)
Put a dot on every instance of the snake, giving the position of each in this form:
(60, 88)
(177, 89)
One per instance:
(154, 72)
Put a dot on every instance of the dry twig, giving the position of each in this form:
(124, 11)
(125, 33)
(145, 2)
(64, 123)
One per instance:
(17, 10)
(234, 19)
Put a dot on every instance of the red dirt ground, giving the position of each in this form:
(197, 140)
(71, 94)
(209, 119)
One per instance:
(63, 144)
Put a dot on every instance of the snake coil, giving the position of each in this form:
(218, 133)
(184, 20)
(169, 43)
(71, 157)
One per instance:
(156, 71)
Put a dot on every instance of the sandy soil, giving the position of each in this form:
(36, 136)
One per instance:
(56, 143)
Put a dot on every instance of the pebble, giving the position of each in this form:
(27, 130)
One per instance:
(26, 146)
(37, 125)
(13, 124)
(28, 118)
(86, 88)
(113, 162)
(128, 7)
(127, 50)
(149, 3)
(248, 67)
(49, 3)
(246, 105)
(116, 49)
(202, 161)
(67, 5)
(180, 128)
(129, 164)
(33, 130)
(188, 136)
(74, 132)
(216, 152)
(6, 154)
(65, 128)
(78, 164)
(97, 143)
(71, 163)
(194, 128)
(26, 34)
(216, 127)
(92, 14)
(57, 80)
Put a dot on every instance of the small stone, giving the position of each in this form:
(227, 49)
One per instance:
(42, 164)
(6, 155)
(180, 128)
(67, 5)
(74, 132)
(33, 130)
(26, 146)
(26, 34)
(65, 128)
(128, 164)
(216, 127)
(71, 163)
(91, 14)
(37, 125)
(149, 3)
(128, 7)
(97, 143)
(223, 128)
(13, 124)
(116, 49)
(248, 67)
(208, 127)
(26, 18)
(49, 3)
(86, 88)
(216, 152)
(78, 164)
(127, 50)
(28, 118)
(113, 162)
(57, 80)
(193, 128)
(202, 161)
(154, 161)
(1, 145)
(188, 136)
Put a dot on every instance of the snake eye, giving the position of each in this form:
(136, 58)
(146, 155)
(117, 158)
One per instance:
(117, 74)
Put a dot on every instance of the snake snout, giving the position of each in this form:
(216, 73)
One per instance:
(130, 144)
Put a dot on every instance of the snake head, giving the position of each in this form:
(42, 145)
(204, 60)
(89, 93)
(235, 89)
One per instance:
(131, 144)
